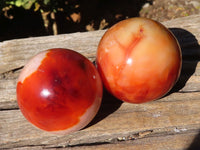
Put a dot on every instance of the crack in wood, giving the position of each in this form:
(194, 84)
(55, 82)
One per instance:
(158, 133)
(8, 109)
(195, 91)
(130, 137)
(9, 73)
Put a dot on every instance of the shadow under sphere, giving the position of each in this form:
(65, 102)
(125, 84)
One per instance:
(190, 55)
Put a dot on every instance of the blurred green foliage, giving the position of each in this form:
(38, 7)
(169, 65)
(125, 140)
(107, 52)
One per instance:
(47, 8)
(42, 5)
(26, 4)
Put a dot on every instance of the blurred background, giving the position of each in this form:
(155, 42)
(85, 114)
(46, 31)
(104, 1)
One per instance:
(30, 18)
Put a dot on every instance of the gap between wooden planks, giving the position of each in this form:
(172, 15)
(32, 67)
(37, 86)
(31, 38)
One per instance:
(172, 122)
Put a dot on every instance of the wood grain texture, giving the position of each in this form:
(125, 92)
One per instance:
(172, 122)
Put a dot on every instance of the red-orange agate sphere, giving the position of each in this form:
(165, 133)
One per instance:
(59, 90)
(139, 60)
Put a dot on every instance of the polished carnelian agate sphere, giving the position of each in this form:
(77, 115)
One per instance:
(59, 90)
(139, 60)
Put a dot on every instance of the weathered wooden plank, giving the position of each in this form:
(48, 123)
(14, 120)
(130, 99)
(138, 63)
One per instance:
(150, 119)
(185, 24)
(8, 87)
(181, 141)
(186, 83)
(15, 53)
